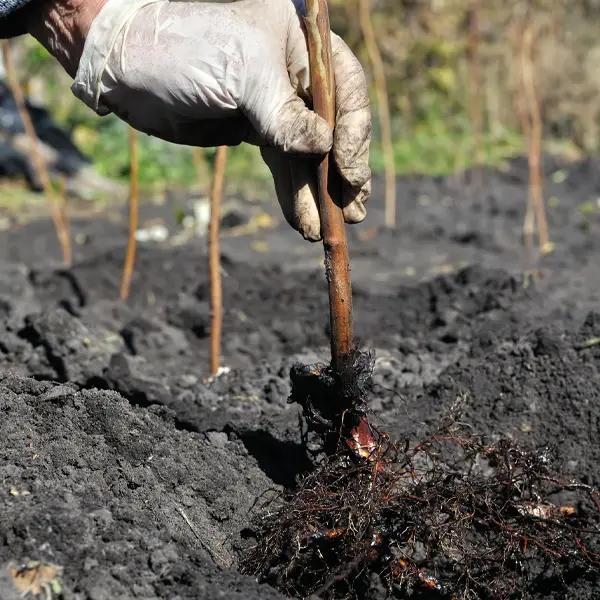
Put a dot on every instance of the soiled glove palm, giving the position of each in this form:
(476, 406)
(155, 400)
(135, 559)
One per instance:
(210, 74)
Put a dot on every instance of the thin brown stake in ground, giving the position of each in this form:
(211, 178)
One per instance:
(134, 176)
(531, 119)
(201, 167)
(214, 260)
(475, 79)
(64, 213)
(57, 210)
(383, 108)
(525, 124)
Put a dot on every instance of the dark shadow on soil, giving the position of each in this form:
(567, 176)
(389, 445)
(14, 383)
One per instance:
(281, 461)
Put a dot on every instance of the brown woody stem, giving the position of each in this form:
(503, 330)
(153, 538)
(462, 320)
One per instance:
(383, 107)
(214, 260)
(133, 214)
(332, 219)
(475, 78)
(536, 183)
(39, 161)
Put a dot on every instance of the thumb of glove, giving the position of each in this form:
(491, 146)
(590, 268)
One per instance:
(296, 129)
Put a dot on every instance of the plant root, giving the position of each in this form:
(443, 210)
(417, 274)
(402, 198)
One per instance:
(453, 516)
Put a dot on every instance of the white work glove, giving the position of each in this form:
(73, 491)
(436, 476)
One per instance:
(207, 74)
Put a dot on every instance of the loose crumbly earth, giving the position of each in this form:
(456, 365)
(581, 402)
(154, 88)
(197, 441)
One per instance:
(119, 463)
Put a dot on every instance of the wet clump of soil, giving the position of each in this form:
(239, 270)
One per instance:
(126, 474)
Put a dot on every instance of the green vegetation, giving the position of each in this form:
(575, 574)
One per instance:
(440, 146)
(161, 163)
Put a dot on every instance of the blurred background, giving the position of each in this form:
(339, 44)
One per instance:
(452, 73)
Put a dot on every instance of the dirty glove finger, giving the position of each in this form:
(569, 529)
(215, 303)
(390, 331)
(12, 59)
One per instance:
(354, 202)
(305, 188)
(353, 129)
(296, 187)
(295, 128)
(352, 136)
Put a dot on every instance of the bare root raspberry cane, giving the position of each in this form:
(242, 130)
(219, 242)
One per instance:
(341, 383)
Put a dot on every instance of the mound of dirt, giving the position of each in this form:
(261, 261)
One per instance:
(130, 505)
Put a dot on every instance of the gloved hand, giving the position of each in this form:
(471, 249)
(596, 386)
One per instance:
(211, 74)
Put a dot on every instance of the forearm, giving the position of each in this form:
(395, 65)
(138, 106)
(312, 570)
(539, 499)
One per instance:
(61, 26)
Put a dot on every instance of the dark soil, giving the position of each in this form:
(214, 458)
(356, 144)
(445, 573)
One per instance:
(121, 464)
